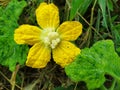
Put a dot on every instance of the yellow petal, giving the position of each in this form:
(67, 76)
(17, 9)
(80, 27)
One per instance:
(27, 34)
(70, 30)
(47, 16)
(65, 53)
(38, 56)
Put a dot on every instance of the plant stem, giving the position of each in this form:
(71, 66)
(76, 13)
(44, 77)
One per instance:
(103, 87)
(22, 75)
(50, 1)
(13, 77)
(92, 13)
(4, 76)
(67, 9)
(116, 80)
(113, 85)
(9, 80)
(90, 25)
(91, 22)
(88, 36)
(118, 85)
(75, 88)
(68, 3)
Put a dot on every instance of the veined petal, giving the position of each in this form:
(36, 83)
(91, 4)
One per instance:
(38, 56)
(70, 30)
(47, 16)
(27, 34)
(65, 53)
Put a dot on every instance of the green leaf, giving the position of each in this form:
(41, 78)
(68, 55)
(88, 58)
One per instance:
(116, 34)
(103, 4)
(93, 63)
(84, 6)
(81, 5)
(110, 5)
(10, 52)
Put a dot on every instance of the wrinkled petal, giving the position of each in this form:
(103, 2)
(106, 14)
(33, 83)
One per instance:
(38, 56)
(65, 53)
(47, 16)
(27, 34)
(70, 30)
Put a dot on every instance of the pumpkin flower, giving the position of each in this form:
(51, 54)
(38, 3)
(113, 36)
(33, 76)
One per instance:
(49, 38)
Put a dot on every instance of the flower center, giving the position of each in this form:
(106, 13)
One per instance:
(51, 39)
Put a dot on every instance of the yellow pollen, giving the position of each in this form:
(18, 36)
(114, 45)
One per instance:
(51, 39)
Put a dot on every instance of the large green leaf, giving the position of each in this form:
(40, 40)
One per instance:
(10, 52)
(81, 5)
(93, 63)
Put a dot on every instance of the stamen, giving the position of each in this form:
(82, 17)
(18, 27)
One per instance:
(51, 39)
(46, 40)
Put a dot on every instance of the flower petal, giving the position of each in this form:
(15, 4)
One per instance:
(65, 53)
(39, 55)
(27, 34)
(47, 16)
(70, 30)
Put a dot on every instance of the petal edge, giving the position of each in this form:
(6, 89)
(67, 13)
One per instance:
(70, 30)
(39, 55)
(27, 34)
(47, 16)
(65, 53)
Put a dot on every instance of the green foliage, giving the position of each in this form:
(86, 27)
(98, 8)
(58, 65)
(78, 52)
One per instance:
(10, 52)
(81, 5)
(110, 5)
(116, 34)
(93, 63)
(103, 4)
(100, 20)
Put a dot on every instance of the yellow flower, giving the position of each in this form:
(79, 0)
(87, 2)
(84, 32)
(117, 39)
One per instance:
(49, 38)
